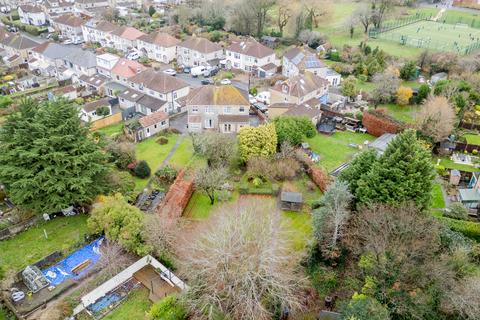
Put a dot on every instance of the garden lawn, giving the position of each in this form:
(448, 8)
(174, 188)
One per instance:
(449, 164)
(154, 154)
(401, 113)
(199, 207)
(111, 130)
(334, 150)
(183, 155)
(300, 227)
(471, 138)
(30, 246)
(135, 307)
(438, 202)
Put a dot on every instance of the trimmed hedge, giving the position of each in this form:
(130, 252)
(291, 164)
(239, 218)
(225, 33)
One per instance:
(469, 229)
(245, 189)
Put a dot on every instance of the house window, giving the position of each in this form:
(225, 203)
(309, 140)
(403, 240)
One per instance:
(155, 126)
(237, 56)
(148, 130)
(118, 78)
(242, 109)
(175, 95)
(163, 123)
(208, 123)
(195, 109)
(227, 127)
(208, 110)
(285, 89)
(227, 110)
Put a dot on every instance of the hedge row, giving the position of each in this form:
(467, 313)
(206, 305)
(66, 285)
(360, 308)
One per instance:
(273, 190)
(468, 228)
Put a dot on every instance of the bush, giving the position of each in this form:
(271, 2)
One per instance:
(168, 308)
(293, 129)
(456, 211)
(166, 174)
(122, 154)
(5, 101)
(142, 170)
(441, 170)
(474, 151)
(162, 140)
(253, 91)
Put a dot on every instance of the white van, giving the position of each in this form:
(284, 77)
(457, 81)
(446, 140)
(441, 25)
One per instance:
(263, 97)
(197, 71)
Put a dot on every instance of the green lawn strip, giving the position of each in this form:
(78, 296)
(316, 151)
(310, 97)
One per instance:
(438, 202)
(154, 153)
(335, 150)
(300, 228)
(468, 228)
(449, 164)
(402, 113)
(183, 155)
(111, 130)
(135, 306)
(30, 246)
(471, 138)
(365, 86)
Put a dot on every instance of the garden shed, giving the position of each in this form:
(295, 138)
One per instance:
(291, 201)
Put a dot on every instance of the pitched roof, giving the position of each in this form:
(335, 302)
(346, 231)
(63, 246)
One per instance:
(131, 95)
(127, 68)
(199, 44)
(69, 20)
(152, 103)
(129, 33)
(152, 119)
(303, 58)
(251, 48)
(30, 8)
(158, 81)
(54, 50)
(301, 84)
(96, 80)
(160, 38)
(303, 111)
(105, 26)
(92, 106)
(211, 95)
(18, 42)
(82, 58)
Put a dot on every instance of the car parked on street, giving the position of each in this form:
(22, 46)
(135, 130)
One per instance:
(207, 81)
(170, 72)
(225, 81)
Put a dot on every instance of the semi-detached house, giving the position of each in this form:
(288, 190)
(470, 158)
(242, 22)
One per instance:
(32, 15)
(300, 89)
(69, 26)
(220, 108)
(197, 51)
(158, 46)
(248, 55)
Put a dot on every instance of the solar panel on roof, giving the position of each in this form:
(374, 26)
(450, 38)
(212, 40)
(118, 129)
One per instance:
(312, 62)
(298, 58)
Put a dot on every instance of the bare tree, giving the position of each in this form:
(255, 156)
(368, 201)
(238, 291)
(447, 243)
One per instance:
(160, 233)
(379, 10)
(242, 265)
(463, 298)
(284, 14)
(330, 218)
(363, 14)
(314, 9)
(210, 180)
(218, 148)
(436, 118)
(386, 85)
(113, 259)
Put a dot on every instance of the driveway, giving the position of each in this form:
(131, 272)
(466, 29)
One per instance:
(179, 122)
(197, 82)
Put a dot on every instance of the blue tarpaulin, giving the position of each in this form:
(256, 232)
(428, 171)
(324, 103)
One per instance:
(63, 270)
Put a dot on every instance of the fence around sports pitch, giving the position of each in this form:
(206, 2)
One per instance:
(398, 23)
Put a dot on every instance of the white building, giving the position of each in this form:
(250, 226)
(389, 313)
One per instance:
(105, 63)
(69, 27)
(88, 112)
(158, 46)
(247, 55)
(124, 38)
(299, 60)
(32, 15)
(196, 51)
(98, 31)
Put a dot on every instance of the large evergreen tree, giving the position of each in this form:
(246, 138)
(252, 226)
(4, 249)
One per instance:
(359, 166)
(403, 173)
(47, 161)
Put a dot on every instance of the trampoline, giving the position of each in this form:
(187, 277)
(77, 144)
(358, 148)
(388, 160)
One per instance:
(75, 265)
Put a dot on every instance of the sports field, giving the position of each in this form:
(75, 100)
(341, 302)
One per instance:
(457, 38)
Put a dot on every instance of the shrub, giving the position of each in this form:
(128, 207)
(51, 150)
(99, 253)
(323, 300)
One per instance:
(474, 151)
(5, 101)
(162, 140)
(293, 129)
(285, 169)
(441, 170)
(168, 308)
(142, 170)
(166, 174)
(122, 154)
(456, 211)
(253, 91)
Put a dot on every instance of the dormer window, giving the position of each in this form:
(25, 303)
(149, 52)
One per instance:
(285, 88)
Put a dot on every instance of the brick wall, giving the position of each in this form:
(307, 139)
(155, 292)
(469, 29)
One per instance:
(177, 197)
(378, 123)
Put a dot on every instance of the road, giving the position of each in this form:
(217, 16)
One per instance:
(196, 82)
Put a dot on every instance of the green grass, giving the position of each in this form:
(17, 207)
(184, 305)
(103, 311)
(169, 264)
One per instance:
(438, 202)
(401, 113)
(449, 164)
(30, 246)
(300, 227)
(199, 207)
(472, 138)
(154, 154)
(334, 150)
(135, 307)
(365, 86)
(183, 155)
(111, 130)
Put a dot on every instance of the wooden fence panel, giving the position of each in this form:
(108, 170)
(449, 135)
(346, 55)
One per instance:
(115, 118)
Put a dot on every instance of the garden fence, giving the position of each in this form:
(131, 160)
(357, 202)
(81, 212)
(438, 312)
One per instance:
(395, 24)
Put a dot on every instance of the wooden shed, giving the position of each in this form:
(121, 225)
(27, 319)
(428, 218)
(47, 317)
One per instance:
(291, 201)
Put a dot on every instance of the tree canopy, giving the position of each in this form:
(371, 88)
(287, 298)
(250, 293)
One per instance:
(47, 160)
(260, 141)
(293, 129)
